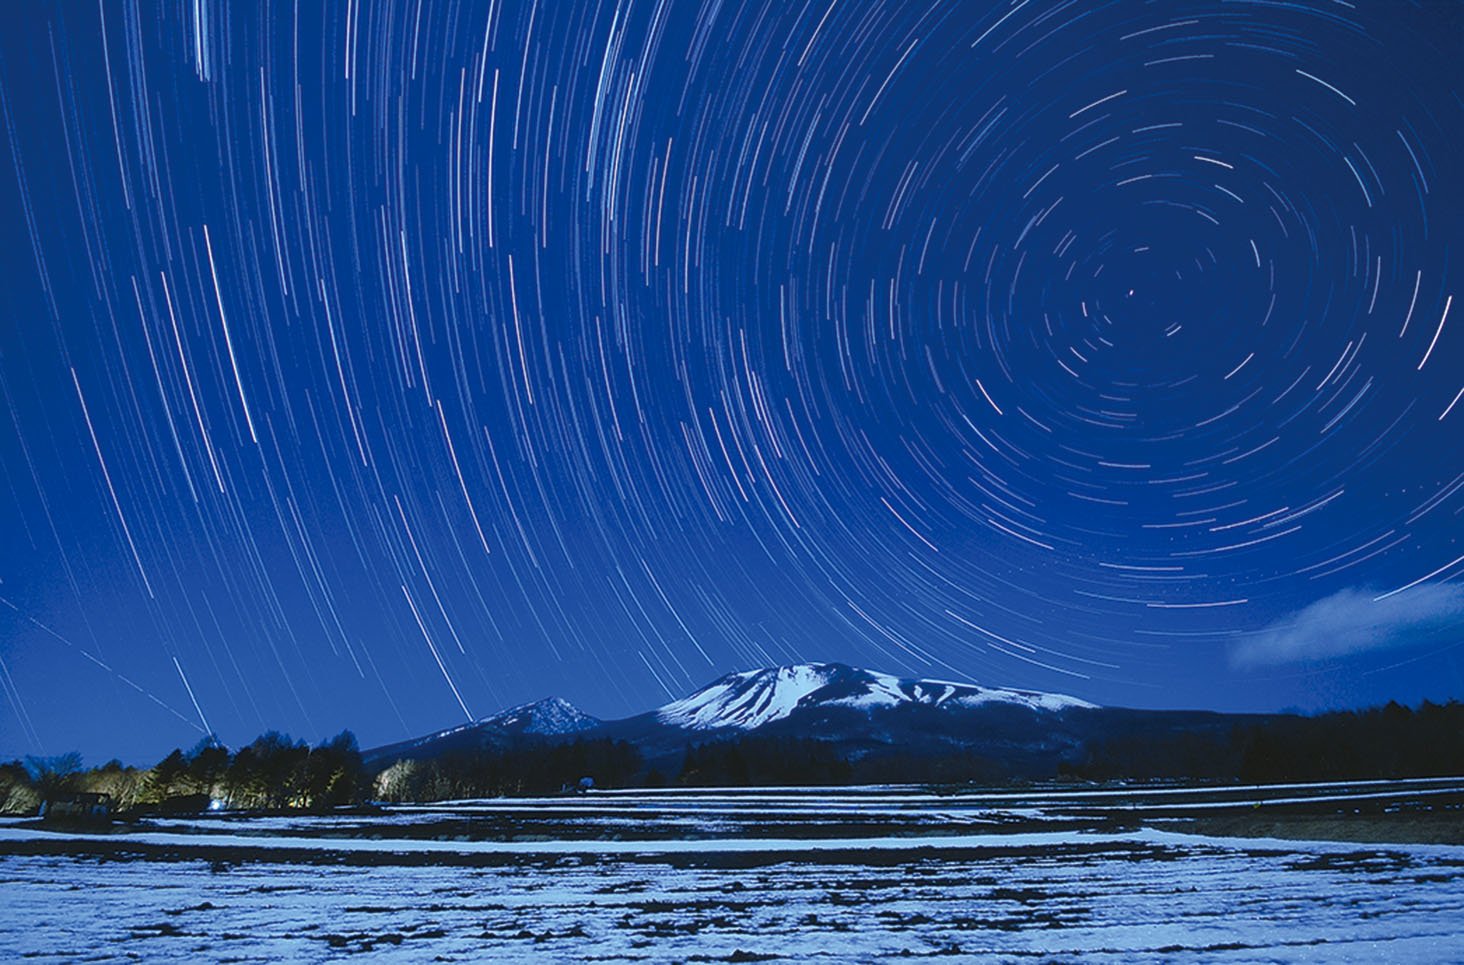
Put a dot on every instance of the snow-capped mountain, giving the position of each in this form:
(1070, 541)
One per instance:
(551, 716)
(750, 699)
(862, 714)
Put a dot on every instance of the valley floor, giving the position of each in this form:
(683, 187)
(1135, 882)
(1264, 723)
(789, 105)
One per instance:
(758, 875)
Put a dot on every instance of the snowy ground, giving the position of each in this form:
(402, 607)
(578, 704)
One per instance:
(711, 876)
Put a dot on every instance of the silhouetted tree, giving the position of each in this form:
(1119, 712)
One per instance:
(127, 786)
(17, 795)
(51, 776)
(333, 773)
(169, 775)
(207, 763)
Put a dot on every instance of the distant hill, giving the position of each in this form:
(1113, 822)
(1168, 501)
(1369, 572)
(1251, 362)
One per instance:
(550, 718)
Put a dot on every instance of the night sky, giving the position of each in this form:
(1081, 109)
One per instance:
(380, 365)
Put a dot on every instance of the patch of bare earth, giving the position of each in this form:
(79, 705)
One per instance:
(1435, 827)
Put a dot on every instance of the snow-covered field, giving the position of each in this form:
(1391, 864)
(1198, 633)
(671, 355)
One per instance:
(778, 875)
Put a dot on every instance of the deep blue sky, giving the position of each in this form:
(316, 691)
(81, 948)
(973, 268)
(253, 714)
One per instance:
(393, 364)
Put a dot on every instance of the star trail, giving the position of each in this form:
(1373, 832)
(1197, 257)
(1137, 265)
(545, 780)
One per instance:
(384, 364)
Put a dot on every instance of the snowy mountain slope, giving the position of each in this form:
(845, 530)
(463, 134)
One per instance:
(753, 698)
(547, 718)
(552, 716)
(832, 702)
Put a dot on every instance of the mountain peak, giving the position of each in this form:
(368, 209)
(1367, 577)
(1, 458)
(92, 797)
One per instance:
(752, 698)
(550, 716)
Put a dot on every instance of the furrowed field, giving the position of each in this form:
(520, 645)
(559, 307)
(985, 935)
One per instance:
(1120, 875)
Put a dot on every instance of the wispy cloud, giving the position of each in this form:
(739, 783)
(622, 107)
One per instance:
(1354, 621)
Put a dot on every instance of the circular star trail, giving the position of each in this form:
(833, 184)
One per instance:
(392, 363)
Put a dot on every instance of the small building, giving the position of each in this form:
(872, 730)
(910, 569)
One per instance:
(78, 806)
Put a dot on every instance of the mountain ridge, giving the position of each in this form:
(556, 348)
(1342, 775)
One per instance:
(546, 718)
(835, 724)
(750, 699)
(827, 701)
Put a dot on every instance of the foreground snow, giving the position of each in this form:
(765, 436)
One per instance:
(1165, 902)
(781, 875)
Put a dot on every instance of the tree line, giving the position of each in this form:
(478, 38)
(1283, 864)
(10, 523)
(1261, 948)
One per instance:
(538, 767)
(1392, 741)
(276, 772)
(273, 772)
